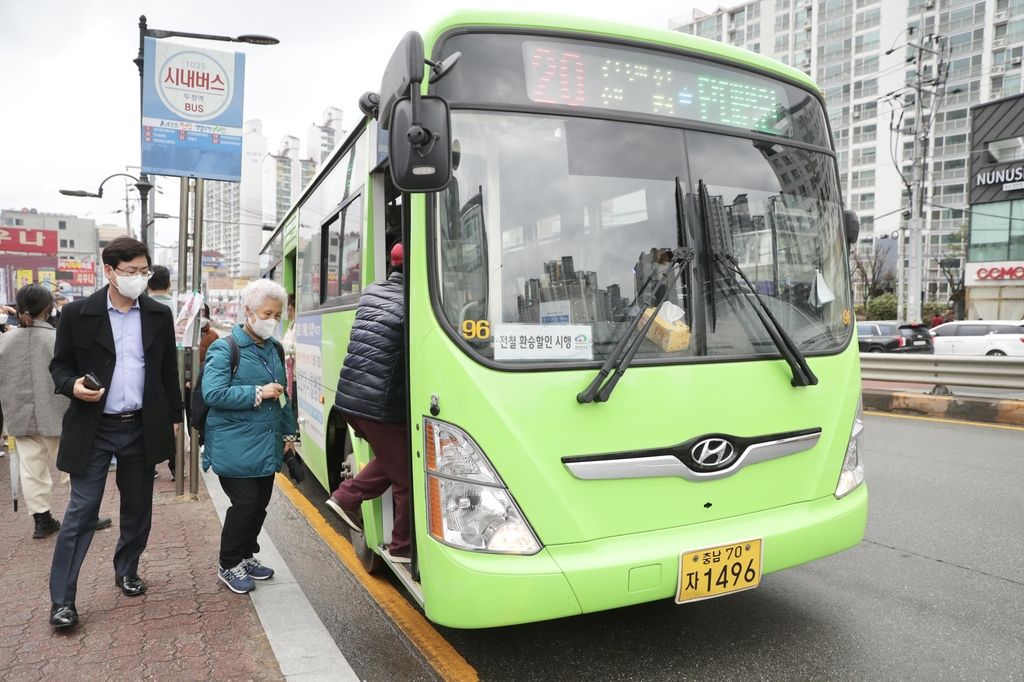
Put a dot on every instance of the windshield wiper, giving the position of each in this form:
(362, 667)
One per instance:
(681, 257)
(802, 374)
(707, 250)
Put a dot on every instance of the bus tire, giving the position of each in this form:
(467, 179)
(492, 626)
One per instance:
(367, 557)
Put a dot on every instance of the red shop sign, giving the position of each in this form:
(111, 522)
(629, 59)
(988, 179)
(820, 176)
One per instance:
(1001, 273)
(18, 240)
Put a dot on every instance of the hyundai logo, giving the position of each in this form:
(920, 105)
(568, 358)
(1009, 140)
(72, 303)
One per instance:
(712, 454)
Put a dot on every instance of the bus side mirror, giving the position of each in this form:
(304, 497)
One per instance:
(404, 73)
(852, 224)
(420, 143)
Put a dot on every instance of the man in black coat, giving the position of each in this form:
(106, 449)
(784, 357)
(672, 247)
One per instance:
(126, 341)
(371, 397)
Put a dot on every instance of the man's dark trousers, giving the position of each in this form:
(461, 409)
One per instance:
(389, 468)
(135, 484)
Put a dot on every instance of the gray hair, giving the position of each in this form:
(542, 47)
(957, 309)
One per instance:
(258, 291)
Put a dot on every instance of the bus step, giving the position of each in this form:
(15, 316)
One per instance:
(403, 571)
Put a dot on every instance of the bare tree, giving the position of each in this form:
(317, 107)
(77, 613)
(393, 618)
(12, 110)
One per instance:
(875, 274)
(951, 262)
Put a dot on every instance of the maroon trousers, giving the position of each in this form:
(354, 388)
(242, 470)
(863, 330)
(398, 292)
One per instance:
(389, 468)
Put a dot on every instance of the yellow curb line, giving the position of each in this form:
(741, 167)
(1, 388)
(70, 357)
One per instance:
(878, 413)
(448, 662)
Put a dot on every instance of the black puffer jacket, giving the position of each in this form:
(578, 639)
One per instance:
(372, 382)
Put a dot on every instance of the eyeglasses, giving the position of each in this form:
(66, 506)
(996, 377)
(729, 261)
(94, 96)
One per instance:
(131, 273)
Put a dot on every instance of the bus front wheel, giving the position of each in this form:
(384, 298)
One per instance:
(367, 557)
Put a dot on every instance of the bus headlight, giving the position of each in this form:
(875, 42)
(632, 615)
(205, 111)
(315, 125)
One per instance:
(468, 505)
(852, 473)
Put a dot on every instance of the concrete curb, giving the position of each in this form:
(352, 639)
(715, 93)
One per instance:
(304, 648)
(966, 408)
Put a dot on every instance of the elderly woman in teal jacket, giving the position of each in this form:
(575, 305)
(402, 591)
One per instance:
(250, 429)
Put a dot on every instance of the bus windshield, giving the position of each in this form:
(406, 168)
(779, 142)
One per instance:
(553, 235)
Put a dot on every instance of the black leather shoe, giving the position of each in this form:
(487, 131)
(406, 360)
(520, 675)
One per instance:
(63, 616)
(132, 585)
(103, 522)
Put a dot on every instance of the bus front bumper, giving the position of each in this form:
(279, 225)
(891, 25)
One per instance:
(486, 590)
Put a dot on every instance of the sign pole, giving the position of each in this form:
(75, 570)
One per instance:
(197, 274)
(179, 455)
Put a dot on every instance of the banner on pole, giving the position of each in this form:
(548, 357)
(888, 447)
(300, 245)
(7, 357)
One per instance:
(191, 306)
(192, 111)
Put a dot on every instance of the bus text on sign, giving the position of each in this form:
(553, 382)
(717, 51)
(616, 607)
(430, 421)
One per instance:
(194, 85)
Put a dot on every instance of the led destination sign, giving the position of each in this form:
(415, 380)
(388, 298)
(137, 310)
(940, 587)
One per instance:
(594, 75)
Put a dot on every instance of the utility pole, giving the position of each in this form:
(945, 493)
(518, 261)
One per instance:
(915, 259)
(917, 198)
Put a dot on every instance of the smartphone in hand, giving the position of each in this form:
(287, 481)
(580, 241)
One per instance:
(91, 382)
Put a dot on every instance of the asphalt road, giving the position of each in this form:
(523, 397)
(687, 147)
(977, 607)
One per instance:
(935, 591)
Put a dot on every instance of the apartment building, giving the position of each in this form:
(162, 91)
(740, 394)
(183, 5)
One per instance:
(857, 52)
(323, 138)
(233, 223)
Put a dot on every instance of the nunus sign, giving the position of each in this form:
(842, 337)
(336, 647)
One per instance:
(1011, 178)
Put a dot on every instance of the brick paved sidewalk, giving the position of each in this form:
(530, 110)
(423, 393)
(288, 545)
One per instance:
(187, 626)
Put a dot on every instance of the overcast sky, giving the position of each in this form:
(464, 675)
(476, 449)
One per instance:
(69, 92)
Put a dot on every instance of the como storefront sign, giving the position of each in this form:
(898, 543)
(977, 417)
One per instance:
(1011, 178)
(192, 111)
(979, 273)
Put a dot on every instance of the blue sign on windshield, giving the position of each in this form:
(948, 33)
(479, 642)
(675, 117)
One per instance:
(192, 111)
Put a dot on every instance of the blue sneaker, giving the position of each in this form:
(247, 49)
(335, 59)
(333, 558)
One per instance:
(236, 579)
(256, 570)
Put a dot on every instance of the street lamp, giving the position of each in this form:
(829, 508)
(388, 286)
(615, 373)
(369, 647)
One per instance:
(139, 61)
(98, 194)
(142, 184)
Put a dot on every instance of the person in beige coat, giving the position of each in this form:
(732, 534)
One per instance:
(33, 412)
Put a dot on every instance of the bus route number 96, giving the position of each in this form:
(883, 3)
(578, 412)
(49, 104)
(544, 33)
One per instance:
(476, 329)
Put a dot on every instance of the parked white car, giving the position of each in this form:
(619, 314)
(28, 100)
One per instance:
(980, 337)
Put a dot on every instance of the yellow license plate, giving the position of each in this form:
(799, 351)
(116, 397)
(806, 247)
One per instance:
(714, 571)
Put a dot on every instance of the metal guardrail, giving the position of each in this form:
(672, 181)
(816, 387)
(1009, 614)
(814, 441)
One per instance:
(954, 370)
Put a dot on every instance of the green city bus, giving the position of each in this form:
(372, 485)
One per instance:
(577, 199)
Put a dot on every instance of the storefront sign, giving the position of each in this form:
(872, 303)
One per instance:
(18, 240)
(997, 176)
(76, 273)
(1002, 273)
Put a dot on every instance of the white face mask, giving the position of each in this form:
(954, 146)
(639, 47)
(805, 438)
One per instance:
(131, 286)
(203, 322)
(262, 328)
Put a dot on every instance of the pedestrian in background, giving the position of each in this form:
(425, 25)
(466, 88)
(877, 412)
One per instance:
(288, 342)
(34, 411)
(124, 342)
(5, 313)
(208, 334)
(371, 398)
(159, 287)
(250, 430)
(59, 301)
(936, 320)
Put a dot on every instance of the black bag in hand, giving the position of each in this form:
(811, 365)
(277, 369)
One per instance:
(296, 470)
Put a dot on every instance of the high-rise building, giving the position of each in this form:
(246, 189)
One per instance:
(285, 175)
(322, 139)
(857, 52)
(233, 211)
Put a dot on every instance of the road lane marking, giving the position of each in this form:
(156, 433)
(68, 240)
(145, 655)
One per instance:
(442, 656)
(946, 421)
